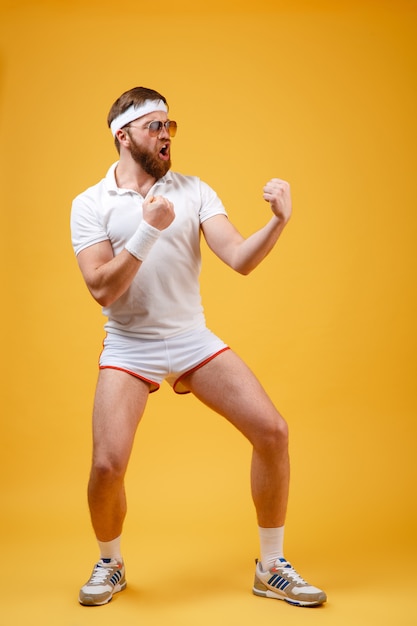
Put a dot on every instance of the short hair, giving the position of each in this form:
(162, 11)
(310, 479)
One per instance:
(135, 97)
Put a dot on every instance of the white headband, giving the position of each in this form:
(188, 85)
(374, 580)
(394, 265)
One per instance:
(133, 112)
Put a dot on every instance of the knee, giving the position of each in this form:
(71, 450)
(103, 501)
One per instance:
(274, 435)
(108, 469)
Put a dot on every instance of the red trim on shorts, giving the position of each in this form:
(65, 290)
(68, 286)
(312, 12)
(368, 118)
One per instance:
(154, 386)
(193, 369)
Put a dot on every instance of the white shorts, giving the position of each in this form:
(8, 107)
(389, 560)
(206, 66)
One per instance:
(156, 360)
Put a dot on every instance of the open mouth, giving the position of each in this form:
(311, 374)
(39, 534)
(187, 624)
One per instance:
(164, 152)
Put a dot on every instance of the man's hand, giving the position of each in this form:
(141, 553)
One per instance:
(277, 193)
(158, 212)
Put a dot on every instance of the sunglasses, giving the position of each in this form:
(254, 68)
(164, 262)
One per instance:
(155, 127)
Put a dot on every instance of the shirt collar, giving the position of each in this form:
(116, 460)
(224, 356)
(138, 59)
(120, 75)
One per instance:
(112, 185)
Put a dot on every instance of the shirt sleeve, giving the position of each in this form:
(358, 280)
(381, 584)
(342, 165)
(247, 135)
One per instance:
(210, 203)
(87, 226)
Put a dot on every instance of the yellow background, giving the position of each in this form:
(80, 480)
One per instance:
(321, 94)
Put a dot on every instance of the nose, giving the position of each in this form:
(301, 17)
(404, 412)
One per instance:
(164, 133)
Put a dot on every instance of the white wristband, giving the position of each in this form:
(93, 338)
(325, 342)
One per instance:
(142, 241)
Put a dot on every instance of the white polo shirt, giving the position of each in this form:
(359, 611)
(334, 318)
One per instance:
(164, 297)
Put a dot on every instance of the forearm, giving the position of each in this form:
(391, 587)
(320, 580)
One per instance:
(110, 280)
(252, 251)
(107, 276)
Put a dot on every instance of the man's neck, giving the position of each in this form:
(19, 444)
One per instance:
(130, 175)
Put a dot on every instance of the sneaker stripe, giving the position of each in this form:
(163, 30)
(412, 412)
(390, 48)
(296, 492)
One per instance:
(284, 584)
(278, 581)
(115, 578)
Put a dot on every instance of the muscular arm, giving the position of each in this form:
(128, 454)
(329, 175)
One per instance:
(244, 254)
(108, 276)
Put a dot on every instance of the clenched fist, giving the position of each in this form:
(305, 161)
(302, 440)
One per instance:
(277, 193)
(158, 212)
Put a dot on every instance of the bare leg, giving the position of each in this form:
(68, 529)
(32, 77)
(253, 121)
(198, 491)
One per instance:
(229, 387)
(119, 404)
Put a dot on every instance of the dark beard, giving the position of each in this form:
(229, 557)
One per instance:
(150, 163)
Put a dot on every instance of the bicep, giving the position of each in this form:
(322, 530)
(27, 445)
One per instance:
(92, 258)
(222, 237)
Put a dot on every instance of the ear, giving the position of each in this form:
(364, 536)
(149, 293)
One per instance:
(122, 136)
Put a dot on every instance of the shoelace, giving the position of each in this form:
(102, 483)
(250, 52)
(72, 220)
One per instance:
(289, 571)
(100, 574)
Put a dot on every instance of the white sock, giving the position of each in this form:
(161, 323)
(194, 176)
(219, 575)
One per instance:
(110, 549)
(272, 545)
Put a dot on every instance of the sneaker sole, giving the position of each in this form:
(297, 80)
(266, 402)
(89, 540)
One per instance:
(276, 596)
(91, 601)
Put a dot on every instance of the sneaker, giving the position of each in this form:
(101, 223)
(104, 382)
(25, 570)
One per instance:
(283, 583)
(108, 577)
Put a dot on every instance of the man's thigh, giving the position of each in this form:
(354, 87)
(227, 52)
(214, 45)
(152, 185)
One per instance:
(228, 386)
(119, 404)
